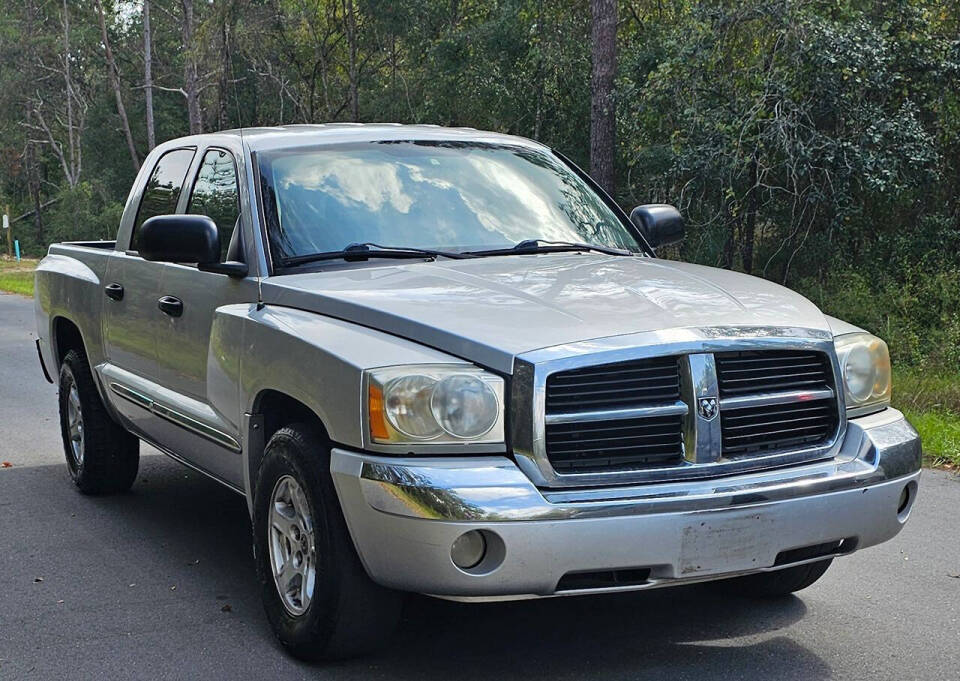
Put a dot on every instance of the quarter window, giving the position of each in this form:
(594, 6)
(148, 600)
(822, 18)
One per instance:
(215, 194)
(163, 189)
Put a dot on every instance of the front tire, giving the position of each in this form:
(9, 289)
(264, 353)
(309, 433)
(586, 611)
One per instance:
(776, 584)
(102, 457)
(317, 596)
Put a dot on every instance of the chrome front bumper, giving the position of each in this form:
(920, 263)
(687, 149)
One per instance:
(404, 515)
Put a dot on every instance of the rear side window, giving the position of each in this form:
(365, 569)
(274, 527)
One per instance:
(163, 189)
(215, 194)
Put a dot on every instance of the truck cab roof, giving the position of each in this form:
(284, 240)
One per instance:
(290, 136)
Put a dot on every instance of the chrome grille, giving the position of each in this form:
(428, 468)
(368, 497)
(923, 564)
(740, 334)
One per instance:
(611, 417)
(623, 444)
(756, 371)
(763, 429)
(652, 416)
(614, 386)
(748, 428)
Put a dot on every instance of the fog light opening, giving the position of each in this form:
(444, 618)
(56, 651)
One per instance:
(905, 503)
(904, 500)
(468, 550)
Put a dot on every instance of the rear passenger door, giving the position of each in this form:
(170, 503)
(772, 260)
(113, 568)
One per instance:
(131, 320)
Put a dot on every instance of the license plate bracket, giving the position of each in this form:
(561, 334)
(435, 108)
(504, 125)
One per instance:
(729, 543)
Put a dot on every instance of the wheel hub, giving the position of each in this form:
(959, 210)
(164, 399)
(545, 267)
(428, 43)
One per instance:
(75, 425)
(293, 553)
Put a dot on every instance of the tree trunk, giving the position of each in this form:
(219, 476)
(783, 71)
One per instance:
(33, 186)
(602, 113)
(69, 91)
(223, 85)
(191, 84)
(539, 75)
(148, 76)
(750, 223)
(730, 243)
(115, 81)
(353, 74)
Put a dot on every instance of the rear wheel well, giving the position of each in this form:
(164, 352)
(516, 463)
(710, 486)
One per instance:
(66, 337)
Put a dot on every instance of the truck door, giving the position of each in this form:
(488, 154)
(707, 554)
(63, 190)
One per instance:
(205, 431)
(131, 318)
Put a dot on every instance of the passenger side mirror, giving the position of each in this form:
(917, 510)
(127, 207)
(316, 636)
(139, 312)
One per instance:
(186, 239)
(659, 223)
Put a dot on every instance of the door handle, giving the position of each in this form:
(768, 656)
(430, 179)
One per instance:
(170, 305)
(114, 291)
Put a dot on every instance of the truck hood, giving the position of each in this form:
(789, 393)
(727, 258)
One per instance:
(488, 310)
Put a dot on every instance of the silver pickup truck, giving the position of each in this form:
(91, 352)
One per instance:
(444, 361)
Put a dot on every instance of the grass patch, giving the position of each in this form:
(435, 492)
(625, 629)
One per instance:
(8, 264)
(940, 433)
(17, 277)
(931, 400)
(17, 282)
(929, 389)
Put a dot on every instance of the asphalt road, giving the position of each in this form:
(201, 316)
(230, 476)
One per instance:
(137, 586)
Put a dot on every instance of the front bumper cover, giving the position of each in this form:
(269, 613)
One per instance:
(404, 515)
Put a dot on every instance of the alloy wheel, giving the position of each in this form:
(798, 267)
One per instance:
(293, 552)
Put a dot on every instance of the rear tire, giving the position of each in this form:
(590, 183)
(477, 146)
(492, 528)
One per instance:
(322, 605)
(102, 457)
(777, 583)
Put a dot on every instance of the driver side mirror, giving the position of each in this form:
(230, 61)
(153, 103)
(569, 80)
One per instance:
(185, 239)
(659, 223)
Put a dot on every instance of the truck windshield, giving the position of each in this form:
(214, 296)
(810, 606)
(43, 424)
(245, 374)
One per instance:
(449, 195)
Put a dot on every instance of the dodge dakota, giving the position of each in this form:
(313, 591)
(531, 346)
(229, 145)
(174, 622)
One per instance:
(444, 361)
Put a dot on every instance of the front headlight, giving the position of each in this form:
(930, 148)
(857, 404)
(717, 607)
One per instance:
(433, 404)
(865, 365)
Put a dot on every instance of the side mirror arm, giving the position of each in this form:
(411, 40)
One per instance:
(232, 268)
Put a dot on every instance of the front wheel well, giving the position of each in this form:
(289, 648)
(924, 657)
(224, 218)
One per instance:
(272, 410)
(279, 409)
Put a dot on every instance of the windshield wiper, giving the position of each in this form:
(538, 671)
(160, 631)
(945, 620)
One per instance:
(367, 250)
(528, 246)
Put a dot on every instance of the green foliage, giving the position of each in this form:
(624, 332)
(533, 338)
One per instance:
(916, 311)
(80, 214)
(786, 130)
(813, 143)
(940, 434)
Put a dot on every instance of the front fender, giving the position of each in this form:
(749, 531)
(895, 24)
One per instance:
(316, 360)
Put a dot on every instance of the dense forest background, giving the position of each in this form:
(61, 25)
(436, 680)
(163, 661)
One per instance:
(811, 142)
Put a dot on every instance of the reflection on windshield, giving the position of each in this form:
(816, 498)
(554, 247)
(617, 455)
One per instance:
(441, 195)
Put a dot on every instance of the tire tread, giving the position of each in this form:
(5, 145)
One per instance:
(359, 615)
(111, 455)
(777, 583)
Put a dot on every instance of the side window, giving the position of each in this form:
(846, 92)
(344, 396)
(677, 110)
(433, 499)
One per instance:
(215, 194)
(163, 189)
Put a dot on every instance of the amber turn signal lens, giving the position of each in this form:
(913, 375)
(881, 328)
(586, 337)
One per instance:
(378, 421)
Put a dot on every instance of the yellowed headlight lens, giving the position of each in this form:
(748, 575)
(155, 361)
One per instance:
(434, 404)
(865, 365)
